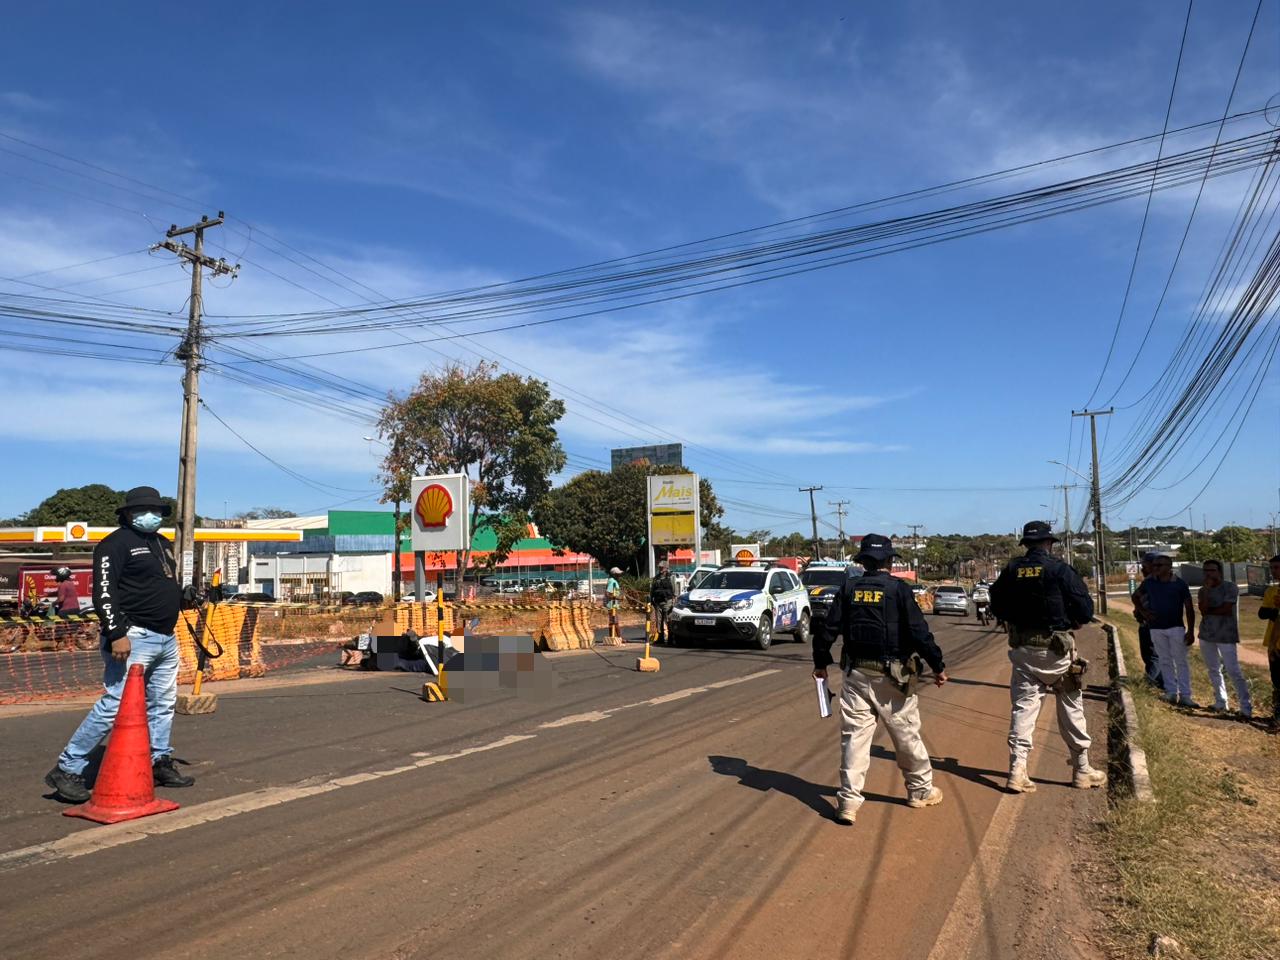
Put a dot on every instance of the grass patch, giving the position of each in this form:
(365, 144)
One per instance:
(1200, 864)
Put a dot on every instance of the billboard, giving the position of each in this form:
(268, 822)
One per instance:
(440, 513)
(673, 508)
(661, 455)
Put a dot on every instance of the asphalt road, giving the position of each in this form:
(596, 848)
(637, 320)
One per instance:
(679, 814)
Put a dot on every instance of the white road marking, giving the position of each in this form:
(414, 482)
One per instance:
(114, 835)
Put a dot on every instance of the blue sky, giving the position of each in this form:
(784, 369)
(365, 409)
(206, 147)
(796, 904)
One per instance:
(427, 147)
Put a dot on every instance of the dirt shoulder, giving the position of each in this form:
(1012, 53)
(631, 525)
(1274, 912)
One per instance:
(1201, 864)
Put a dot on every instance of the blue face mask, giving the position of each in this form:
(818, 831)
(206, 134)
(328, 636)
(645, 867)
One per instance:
(148, 522)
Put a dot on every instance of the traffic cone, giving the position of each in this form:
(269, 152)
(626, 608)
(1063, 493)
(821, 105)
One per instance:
(125, 789)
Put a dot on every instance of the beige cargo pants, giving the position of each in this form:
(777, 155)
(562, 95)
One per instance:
(1036, 672)
(864, 699)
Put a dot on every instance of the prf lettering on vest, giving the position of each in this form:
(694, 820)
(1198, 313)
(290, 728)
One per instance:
(868, 596)
(1029, 571)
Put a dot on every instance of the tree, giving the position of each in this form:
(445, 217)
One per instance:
(94, 503)
(266, 513)
(497, 428)
(603, 514)
(1237, 543)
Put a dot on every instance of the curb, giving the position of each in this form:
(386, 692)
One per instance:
(1123, 741)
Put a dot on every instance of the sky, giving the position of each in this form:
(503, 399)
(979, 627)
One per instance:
(418, 148)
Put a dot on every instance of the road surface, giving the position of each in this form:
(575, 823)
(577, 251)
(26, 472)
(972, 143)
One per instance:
(679, 814)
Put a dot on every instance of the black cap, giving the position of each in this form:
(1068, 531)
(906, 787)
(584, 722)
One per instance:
(1036, 531)
(876, 547)
(141, 497)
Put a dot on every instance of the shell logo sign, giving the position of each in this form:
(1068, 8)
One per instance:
(434, 507)
(744, 556)
(76, 530)
(441, 513)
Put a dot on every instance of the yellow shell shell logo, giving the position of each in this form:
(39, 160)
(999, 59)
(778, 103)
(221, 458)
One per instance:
(434, 507)
(78, 531)
(744, 557)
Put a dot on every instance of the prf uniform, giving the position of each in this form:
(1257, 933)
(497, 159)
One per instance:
(885, 637)
(1042, 600)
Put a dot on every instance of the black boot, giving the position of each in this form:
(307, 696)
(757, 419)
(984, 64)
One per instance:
(165, 773)
(68, 786)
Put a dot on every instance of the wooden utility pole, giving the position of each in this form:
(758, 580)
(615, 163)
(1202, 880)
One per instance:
(1099, 547)
(813, 513)
(839, 505)
(189, 352)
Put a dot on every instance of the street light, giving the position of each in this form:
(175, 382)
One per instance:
(395, 537)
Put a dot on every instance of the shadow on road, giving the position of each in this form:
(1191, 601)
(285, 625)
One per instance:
(977, 683)
(812, 795)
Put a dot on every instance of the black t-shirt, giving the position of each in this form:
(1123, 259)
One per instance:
(133, 584)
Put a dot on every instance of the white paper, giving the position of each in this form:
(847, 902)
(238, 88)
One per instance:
(824, 703)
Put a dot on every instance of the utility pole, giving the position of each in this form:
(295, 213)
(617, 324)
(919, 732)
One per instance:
(813, 513)
(189, 352)
(915, 546)
(1066, 515)
(839, 505)
(1099, 549)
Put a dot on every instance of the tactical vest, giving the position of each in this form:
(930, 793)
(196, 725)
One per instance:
(873, 632)
(1029, 589)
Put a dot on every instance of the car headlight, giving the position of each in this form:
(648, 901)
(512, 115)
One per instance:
(740, 605)
(682, 601)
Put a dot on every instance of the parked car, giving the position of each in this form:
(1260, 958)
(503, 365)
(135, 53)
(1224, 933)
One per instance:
(251, 598)
(743, 603)
(824, 581)
(951, 598)
(367, 598)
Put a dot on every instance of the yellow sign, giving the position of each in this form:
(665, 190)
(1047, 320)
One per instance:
(673, 529)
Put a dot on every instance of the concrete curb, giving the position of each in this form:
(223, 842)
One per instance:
(1123, 742)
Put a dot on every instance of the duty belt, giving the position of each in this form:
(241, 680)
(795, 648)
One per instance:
(866, 663)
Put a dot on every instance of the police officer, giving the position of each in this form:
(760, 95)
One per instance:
(885, 637)
(662, 596)
(1042, 600)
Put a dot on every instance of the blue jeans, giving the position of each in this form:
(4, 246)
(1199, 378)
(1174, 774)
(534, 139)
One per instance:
(158, 654)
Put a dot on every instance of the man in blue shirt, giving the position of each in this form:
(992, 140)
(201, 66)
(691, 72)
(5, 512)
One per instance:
(1165, 606)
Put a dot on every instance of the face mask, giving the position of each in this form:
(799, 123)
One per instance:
(148, 522)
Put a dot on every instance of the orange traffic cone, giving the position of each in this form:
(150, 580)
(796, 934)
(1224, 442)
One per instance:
(125, 789)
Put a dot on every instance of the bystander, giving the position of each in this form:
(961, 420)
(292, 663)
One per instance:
(1220, 638)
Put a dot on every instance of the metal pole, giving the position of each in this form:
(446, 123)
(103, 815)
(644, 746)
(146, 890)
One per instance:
(1100, 547)
(1066, 513)
(813, 514)
(395, 545)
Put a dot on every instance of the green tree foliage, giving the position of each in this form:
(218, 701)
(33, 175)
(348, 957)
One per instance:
(602, 514)
(94, 503)
(266, 513)
(1238, 543)
(497, 428)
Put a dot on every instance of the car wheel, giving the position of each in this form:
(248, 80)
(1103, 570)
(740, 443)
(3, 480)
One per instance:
(802, 634)
(764, 632)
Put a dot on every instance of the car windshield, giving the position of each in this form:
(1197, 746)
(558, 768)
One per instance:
(828, 577)
(951, 589)
(698, 577)
(733, 580)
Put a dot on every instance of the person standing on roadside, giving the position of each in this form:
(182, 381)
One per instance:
(1150, 662)
(1167, 609)
(1270, 611)
(885, 640)
(1042, 600)
(1220, 638)
(613, 600)
(137, 601)
(662, 596)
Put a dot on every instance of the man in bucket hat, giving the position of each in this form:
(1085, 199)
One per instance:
(137, 600)
(885, 638)
(1042, 600)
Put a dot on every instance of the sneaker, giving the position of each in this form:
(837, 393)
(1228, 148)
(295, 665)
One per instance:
(1018, 781)
(1189, 704)
(846, 814)
(165, 773)
(68, 786)
(924, 798)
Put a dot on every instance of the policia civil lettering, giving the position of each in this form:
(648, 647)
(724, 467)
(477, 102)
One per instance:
(886, 643)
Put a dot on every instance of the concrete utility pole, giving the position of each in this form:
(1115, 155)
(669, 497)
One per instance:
(813, 513)
(915, 529)
(189, 352)
(1099, 549)
(1066, 516)
(839, 505)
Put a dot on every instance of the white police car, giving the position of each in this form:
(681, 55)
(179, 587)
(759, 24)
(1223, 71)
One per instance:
(743, 603)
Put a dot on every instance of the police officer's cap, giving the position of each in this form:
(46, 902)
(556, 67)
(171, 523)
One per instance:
(1037, 531)
(876, 547)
